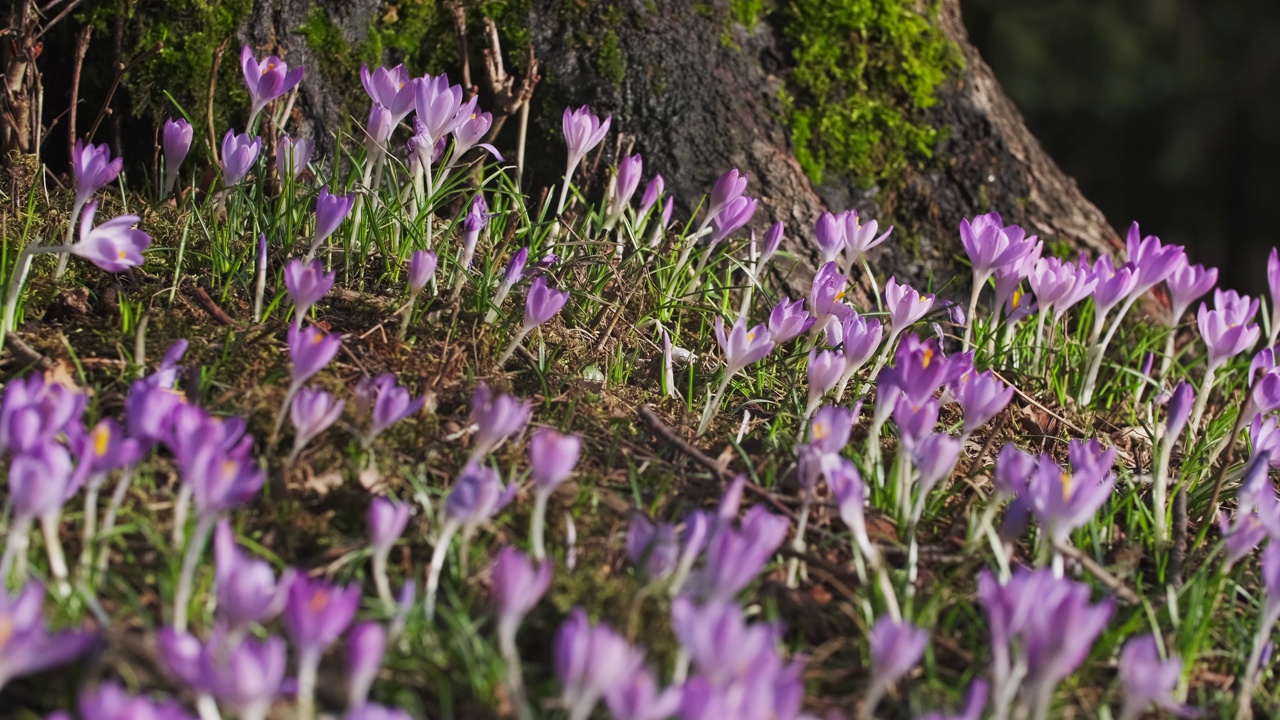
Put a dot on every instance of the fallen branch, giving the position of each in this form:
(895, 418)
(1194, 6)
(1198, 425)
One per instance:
(1115, 584)
(211, 307)
(26, 353)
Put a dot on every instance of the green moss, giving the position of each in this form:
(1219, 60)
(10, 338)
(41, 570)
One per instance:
(746, 12)
(610, 60)
(865, 70)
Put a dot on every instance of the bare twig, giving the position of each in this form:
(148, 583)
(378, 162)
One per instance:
(459, 14)
(1115, 584)
(121, 70)
(208, 106)
(57, 18)
(26, 353)
(211, 307)
(82, 47)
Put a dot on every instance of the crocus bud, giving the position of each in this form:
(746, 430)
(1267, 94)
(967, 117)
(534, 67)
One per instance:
(366, 644)
(247, 589)
(39, 481)
(542, 303)
(387, 521)
(772, 239)
(477, 496)
(591, 661)
(552, 457)
(582, 132)
(652, 192)
(728, 188)
(389, 403)
(825, 369)
(896, 647)
(93, 168)
(331, 210)
(1180, 404)
(625, 183)
(731, 218)
(239, 153)
(422, 265)
(177, 142)
(30, 647)
(381, 124)
(496, 417)
(517, 588)
(653, 548)
(292, 156)
(312, 411)
(440, 106)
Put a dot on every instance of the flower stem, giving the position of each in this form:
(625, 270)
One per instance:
(713, 405)
(186, 580)
(1202, 400)
(109, 520)
(69, 238)
(515, 342)
(15, 544)
(308, 668)
(57, 558)
(19, 278)
(538, 525)
(437, 565)
(970, 319)
(408, 315)
(380, 579)
(1098, 350)
(515, 678)
(797, 544)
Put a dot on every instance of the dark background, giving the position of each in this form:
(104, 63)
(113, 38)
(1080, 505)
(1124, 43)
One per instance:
(1165, 111)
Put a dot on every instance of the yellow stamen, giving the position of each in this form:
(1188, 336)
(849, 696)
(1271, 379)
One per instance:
(101, 440)
(820, 431)
(6, 630)
(319, 601)
(1066, 485)
(928, 356)
(122, 255)
(751, 336)
(268, 68)
(1017, 298)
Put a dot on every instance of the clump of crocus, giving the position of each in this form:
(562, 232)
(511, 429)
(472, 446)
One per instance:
(386, 404)
(1064, 500)
(266, 80)
(246, 677)
(1148, 679)
(990, 246)
(590, 662)
(306, 282)
(475, 498)
(896, 647)
(310, 349)
(387, 521)
(496, 417)
(315, 616)
(542, 304)
(517, 588)
(28, 645)
(239, 153)
(582, 132)
(741, 348)
(422, 267)
(292, 156)
(552, 457)
(513, 274)
(176, 139)
(331, 210)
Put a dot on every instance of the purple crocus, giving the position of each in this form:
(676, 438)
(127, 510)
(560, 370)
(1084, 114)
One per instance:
(742, 347)
(115, 245)
(896, 647)
(312, 411)
(266, 80)
(850, 491)
(176, 139)
(934, 456)
(824, 370)
(247, 590)
(221, 480)
(40, 478)
(991, 245)
(496, 417)
(366, 646)
(905, 306)
(727, 188)
(736, 556)
(470, 132)
(720, 641)
(654, 548)
(1228, 329)
(542, 303)
(640, 698)
(1062, 500)
(311, 349)
(582, 132)
(590, 662)
(828, 232)
(239, 153)
(93, 169)
(733, 217)
(1113, 284)
(624, 185)
(372, 711)
(826, 296)
(982, 396)
(1013, 471)
(1187, 283)
(552, 457)
(513, 274)
(28, 645)
(1273, 286)
(306, 282)
(248, 677)
(518, 585)
(385, 402)
(477, 496)
(422, 266)
(331, 210)
(652, 192)
(379, 127)
(1149, 680)
(315, 616)
(386, 521)
(109, 701)
(1059, 285)
(34, 411)
(1152, 260)
(392, 88)
(292, 156)
(440, 107)
(789, 320)
(860, 237)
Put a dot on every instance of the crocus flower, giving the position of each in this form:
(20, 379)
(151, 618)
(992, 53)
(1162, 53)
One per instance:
(101, 450)
(1227, 330)
(239, 153)
(654, 548)
(896, 647)
(477, 496)
(1008, 278)
(920, 368)
(386, 402)
(387, 521)
(859, 337)
(312, 411)
(1186, 284)
(624, 184)
(982, 396)
(517, 587)
(1266, 392)
(115, 245)
(1113, 284)
(640, 698)
(829, 234)
(392, 88)
(542, 303)
(1059, 285)
(1013, 471)
(379, 127)
(825, 369)
(28, 645)
(1062, 500)
(1149, 680)
(742, 347)
(40, 480)
(851, 497)
(366, 645)
(990, 245)
(720, 641)
(221, 480)
(317, 613)
(859, 237)
(733, 217)
(789, 320)
(248, 677)
(469, 134)
(422, 266)
(552, 457)
(93, 169)
(826, 296)
(109, 701)
(306, 282)
(292, 156)
(440, 106)
(311, 349)
(934, 456)
(331, 210)
(736, 556)
(266, 80)
(728, 187)
(475, 221)
(905, 305)
(496, 417)
(34, 412)
(591, 661)
(652, 192)
(247, 590)
(1152, 260)
(915, 419)
(176, 139)
(582, 132)
(1241, 533)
